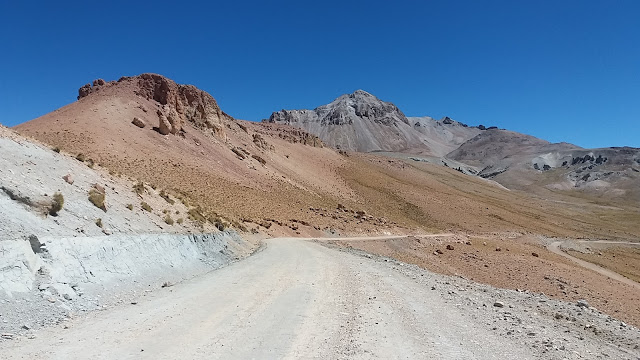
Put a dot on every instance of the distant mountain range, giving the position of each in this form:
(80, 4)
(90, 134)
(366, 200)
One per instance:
(362, 122)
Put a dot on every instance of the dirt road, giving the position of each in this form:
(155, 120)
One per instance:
(294, 299)
(299, 299)
(555, 247)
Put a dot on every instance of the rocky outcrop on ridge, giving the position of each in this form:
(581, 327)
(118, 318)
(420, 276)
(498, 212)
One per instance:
(177, 103)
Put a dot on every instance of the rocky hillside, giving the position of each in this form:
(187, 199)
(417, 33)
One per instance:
(524, 162)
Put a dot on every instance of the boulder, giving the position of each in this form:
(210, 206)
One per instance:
(164, 126)
(139, 123)
(68, 178)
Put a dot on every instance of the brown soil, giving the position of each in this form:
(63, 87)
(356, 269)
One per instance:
(514, 267)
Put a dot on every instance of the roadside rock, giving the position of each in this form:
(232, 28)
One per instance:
(68, 178)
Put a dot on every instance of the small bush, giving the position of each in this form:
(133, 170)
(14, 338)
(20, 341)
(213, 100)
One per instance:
(139, 188)
(145, 207)
(81, 157)
(168, 220)
(90, 163)
(96, 197)
(99, 223)
(56, 149)
(57, 204)
(180, 221)
(130, 207)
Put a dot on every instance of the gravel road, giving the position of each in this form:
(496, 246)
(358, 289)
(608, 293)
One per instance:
(301, 299)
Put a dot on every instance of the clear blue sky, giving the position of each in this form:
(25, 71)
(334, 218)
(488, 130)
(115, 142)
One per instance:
(564, 70)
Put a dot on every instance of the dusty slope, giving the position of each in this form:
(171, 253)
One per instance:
(83, 257)
(30, 175)
(314, 302)
(443, 136)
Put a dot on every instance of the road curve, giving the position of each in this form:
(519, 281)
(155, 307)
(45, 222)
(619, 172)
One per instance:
(555, 248)
(294, 299)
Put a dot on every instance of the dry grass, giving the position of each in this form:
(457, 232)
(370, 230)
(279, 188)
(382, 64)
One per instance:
(97, 198)
(146, 207)
(56, 204)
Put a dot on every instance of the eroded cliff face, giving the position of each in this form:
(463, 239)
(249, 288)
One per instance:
(178, 103)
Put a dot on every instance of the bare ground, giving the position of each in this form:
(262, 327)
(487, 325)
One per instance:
(298, 299)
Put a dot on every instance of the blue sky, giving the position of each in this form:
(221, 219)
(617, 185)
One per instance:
(561, 70)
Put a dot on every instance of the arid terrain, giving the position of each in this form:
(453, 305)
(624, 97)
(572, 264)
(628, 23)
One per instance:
(481, 207)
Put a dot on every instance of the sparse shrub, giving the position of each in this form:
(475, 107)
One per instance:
(57, 204)
(239, 226)
(165, 211)
(168, 219)
(166, 197)
(81, 157)
(145, 207)
(139, 188)
(99, 223)
(195, 214)
(130, 207)
(153, 186)
(97, 197)
(220, 225)
(90, 163)
(259, 159)
(180, 221)
(56, 149)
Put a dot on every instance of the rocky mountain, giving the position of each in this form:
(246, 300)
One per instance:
(356, 122)
(362, 122)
